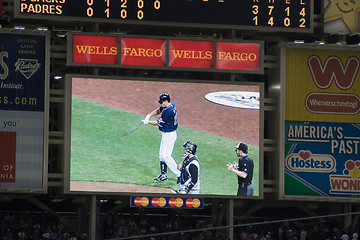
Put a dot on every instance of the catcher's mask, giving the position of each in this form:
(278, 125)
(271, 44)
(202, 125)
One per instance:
(189, 147)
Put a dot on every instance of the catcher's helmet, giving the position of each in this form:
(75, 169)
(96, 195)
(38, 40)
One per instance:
(164, 97)
(241, 146)
(189, 147)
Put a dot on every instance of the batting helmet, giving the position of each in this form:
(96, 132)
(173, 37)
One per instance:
(164, 97)
(241, 146)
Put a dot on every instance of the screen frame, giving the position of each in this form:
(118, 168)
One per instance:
(68, 108)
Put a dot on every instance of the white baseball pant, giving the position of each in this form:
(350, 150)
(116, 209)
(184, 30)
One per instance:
(166, 148)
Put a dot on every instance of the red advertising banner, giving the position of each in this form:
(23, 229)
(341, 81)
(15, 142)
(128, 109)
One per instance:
(190, 54)
(238, 56)
(95, 49)
(211, 55)
(7, 156)
(143, 52)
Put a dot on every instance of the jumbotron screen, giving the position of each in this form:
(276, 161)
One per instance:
(112, 151)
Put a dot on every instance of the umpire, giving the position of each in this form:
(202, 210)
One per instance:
(244, 170)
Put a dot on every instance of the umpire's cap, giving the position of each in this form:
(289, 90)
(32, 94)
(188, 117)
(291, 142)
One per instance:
(241, 146)
(164, 97)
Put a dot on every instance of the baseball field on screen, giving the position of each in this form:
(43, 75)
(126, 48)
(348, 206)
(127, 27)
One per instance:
(101, 154)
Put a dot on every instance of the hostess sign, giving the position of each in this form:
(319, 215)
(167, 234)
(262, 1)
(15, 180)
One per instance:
(165, 53)
(322, 122)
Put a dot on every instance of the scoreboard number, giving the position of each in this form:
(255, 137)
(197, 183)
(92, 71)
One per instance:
(268, 15)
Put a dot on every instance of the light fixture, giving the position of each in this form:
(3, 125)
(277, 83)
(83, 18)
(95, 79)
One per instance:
(341, 43)
(19, 28)
(42, 29)
(276, 86)
(57, 77)
(299, 41)
(61, 34)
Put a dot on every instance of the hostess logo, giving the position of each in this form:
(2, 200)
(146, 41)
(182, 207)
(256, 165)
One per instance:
(304, 161)
(27, 67)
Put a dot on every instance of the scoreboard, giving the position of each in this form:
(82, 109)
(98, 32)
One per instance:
(262, 15)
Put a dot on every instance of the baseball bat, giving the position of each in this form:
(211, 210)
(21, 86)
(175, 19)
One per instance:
(133, 129)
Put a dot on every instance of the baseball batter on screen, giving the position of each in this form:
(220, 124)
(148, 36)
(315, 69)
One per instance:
(167, 123)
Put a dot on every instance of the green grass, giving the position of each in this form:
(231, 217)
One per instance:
(100, 152)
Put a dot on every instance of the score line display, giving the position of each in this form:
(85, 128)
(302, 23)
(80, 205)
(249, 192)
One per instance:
(285, 15)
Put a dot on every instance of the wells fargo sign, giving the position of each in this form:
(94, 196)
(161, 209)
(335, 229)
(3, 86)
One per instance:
(166, 53)
(237, 56)
(95, 49)
(143, 52)
(190, 54)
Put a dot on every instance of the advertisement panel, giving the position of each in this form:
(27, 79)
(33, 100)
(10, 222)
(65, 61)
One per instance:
(111, 151)
(22, 111)
(95, 49)
(321, 127)
(143, 52)
(321, 85)
(322, 159)
(237, 56)
(190, 54)
(7, 156)
(341, 17)
(167, 202)
(165, 53)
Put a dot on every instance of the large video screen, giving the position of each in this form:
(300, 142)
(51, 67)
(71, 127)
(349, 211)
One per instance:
(112, 151)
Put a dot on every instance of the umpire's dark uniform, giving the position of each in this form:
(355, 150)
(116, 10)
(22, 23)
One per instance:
(246, 164)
